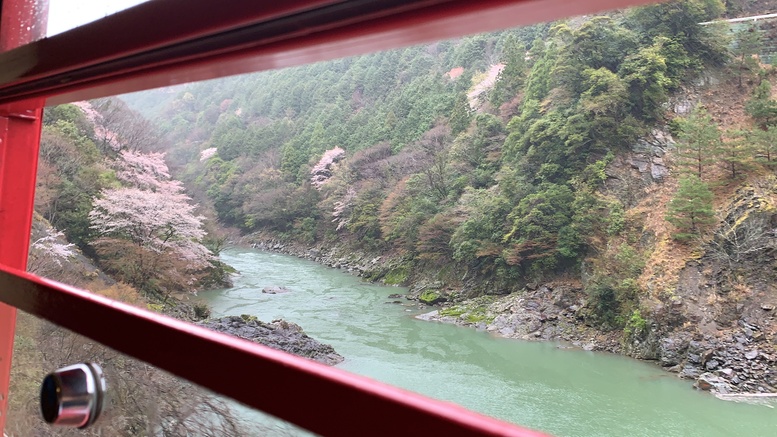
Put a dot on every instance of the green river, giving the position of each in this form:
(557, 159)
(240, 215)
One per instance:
(565, 392)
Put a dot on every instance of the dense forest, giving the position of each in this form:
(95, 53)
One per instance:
(407, 153)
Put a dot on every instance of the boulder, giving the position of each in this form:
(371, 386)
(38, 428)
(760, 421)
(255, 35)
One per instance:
(279, 334)
(709, 382)
(431, 297)
(275, 290)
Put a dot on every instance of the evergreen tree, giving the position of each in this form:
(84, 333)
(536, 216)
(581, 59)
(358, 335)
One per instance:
(765, 145)
(690, 211)
(461, 114)
(762, 107)
(736, 153)
(747, 44)
(512, 77)
(700, 142)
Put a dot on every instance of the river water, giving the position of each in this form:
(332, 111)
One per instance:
(565, 392)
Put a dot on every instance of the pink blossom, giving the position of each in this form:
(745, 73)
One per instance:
(322, 171)
(208, 153)
(143, 170)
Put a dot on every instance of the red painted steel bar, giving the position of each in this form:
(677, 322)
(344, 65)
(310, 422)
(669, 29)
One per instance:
(248, 38)
(321, 399)
(21, 21)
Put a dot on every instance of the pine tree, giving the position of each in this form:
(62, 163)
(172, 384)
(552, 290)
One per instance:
(461, 115)
(747, 44)
(764, 143)
(512, 77)
(762, 107)
(690, 211)
(700, 143)
(736, 153)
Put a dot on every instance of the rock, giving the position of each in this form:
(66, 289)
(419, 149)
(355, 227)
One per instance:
(279, 334)
(394, 296)
(658, 171)
(767, 307)
(275, 290)
(640, 164)
(751, 355)
(690, 372)
(711, 365)
(710, 382)
(428, 316)
(431, 297)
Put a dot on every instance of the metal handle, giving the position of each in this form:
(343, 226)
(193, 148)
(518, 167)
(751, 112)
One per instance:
(73, 396)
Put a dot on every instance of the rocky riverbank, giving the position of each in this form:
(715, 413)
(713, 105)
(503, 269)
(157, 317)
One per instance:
(278, 334)
(733, 361)
(736, 359)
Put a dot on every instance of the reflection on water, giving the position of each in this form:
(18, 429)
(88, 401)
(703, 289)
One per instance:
(561, 391)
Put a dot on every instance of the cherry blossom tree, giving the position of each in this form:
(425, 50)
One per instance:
(149, 233)
(146, 171)
(322, 171)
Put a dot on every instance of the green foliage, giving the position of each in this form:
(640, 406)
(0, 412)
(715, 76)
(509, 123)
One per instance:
(513, 76)
(737, 151)
(397, 276)
(613, 292)
(636, 326)
(426, 177)
(538, 84)
(747, 45)
(616, 219)
(679, 20)
(690, 210)
(762, 107)
(700, 143)
(764, 143)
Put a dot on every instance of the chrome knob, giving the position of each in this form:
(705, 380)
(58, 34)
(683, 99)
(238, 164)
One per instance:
(73, 396)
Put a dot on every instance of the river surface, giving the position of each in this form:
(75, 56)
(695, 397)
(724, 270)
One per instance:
(565, 392)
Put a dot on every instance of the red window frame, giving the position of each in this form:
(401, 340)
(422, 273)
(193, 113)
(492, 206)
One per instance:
(184, 41)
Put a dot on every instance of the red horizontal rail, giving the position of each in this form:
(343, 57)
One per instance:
(325, 400)
(188, 40)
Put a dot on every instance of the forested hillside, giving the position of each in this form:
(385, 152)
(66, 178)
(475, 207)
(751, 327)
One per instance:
(502, 185)
(628, 155)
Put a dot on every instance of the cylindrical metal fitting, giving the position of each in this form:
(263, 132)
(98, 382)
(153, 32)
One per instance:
(73, 396)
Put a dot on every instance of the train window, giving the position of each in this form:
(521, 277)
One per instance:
(68, 14)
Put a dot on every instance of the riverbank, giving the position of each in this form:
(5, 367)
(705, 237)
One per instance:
(735, 360)
(278, 334)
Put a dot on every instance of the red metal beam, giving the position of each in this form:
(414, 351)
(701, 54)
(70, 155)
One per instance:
(21, 21)
(321, 399)
(188, 40)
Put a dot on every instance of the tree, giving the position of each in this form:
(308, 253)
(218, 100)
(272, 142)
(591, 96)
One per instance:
(700, 142)
(148, 233)
(690, 211)
(151, 239)
(747, 46)
(736, 153)
(680, 20)
(646, 73)
(436, 149)
(762, 107)
(764, 143)
(461, 115)
(512, 77)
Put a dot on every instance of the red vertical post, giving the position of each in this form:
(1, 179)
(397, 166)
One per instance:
(21, 21)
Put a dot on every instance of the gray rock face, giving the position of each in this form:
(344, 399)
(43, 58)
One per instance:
(710, 382)
(672, 350)
(279, 334)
